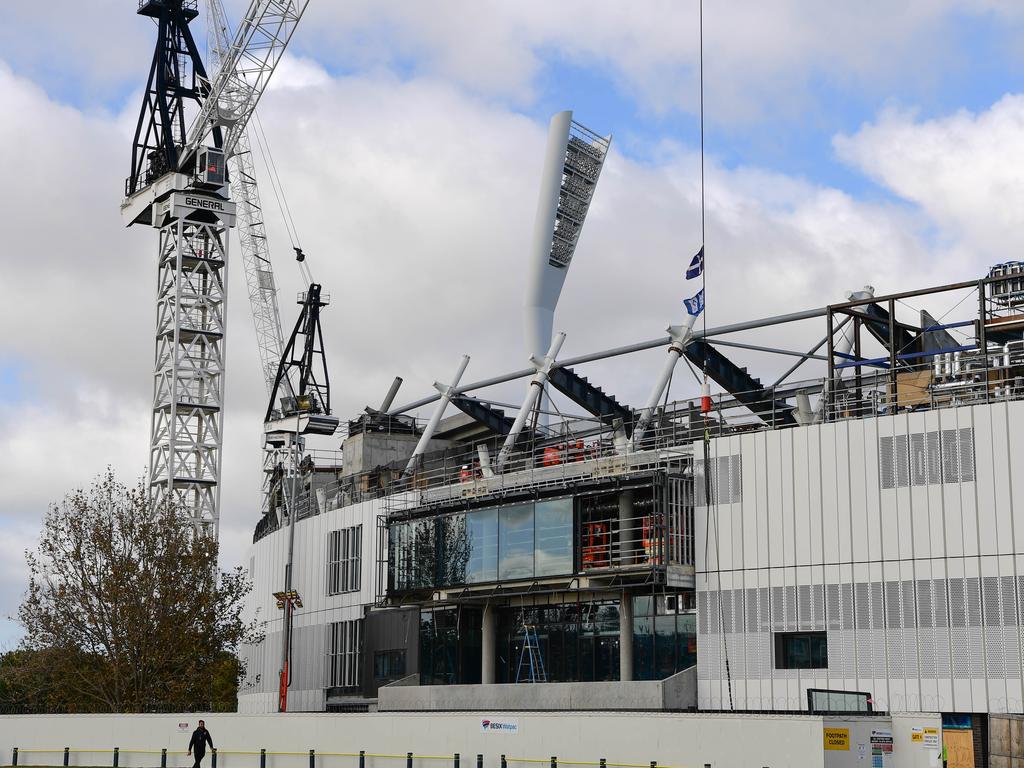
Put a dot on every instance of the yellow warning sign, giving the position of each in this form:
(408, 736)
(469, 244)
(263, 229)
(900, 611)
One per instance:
(837, 739)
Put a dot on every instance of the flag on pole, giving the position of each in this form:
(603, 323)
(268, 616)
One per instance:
(696, 265)
(695, 305)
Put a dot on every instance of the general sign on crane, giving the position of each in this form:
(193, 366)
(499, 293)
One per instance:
(179, 185)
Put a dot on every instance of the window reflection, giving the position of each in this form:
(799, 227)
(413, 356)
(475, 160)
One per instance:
(482, 532)
(515, 542)
(553, 521)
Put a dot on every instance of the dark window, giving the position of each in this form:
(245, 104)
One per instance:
(801, 650)
(389, 665)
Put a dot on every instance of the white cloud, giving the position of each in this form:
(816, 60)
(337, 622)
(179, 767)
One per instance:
(963, 170)
(760, 58)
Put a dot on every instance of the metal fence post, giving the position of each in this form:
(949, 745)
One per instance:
(213, 757)
(163, 758)
(603, 763)
(455, 760)
(14, 757)
(362, 758)
(654, 764)
(479, 761)
(312, 758)
(263, 758)
(504, 763)
(554, 762)
(67, 751)
(117, 754)
(408, 755)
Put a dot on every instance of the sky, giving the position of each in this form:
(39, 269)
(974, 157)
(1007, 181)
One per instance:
(845, 144)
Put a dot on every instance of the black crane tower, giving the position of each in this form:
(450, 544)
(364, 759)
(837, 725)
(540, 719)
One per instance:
(176, 74)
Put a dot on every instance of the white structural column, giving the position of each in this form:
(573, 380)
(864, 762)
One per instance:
(680, 335)
(188, 377)
(533, 392)
(572, 165)
(447, 392)
(488, 641)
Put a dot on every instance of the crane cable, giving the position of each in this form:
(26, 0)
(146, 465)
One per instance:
(277, 185)
(709, 488)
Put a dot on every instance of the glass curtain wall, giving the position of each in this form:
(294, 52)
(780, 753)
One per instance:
(664, 637)
(515, 542)
(578, 641)
(450, 645)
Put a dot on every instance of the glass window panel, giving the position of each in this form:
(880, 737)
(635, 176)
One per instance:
(482, 539)
(643, 649)
(454, 543)
(515, 542)
(553, 520)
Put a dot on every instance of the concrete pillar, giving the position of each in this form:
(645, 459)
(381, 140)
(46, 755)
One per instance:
(489, 642)
(627, 529)
(626, 638)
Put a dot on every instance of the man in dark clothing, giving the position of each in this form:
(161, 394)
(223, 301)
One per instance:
(200, 738)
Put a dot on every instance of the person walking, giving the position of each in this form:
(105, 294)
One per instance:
(200, 738)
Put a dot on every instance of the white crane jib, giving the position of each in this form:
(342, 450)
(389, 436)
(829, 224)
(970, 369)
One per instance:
(245, 71)
(533, 393)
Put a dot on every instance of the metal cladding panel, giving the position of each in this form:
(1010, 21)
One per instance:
(997, 425)
(801, 496)
(937, 627)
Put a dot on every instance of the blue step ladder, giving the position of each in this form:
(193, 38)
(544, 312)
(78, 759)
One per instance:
(531, 663)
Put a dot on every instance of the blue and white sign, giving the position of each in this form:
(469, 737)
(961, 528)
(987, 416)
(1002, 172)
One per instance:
(488, 725)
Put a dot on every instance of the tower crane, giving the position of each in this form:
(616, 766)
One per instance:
(179, 184)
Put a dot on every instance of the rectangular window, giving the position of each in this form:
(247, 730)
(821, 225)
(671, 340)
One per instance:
(927, 458)
(553, 533)
(344, 560)
(515, 542)
(344, 643)
(801, 650)
(482, 534)
(389, 665)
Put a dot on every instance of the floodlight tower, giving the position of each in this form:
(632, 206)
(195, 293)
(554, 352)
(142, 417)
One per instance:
(572, 165)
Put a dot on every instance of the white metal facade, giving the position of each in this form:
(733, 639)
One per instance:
(919, 585)
(312, 623)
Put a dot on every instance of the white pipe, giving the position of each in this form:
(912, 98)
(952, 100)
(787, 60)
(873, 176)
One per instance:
(680, 335)
(447, 391)
(484, 457)
(533, 391)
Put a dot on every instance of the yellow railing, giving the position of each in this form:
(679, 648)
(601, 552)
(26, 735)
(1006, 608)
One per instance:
(313, 755)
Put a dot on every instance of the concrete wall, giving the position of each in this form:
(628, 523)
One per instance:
(676, 692)
(920, 587)
(779, 741)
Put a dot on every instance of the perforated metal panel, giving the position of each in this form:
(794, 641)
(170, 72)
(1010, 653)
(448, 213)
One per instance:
(833, 608)
(804, 618)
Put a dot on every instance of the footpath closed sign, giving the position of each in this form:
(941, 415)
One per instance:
(837, 739)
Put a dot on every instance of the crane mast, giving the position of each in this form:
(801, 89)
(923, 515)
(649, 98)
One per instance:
(179, 185)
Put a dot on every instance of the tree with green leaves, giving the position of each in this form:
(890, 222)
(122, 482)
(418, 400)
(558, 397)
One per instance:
(126, 611)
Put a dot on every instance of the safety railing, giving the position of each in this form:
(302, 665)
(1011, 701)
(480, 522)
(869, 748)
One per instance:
(316, 758)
